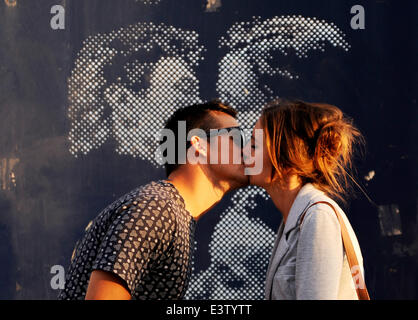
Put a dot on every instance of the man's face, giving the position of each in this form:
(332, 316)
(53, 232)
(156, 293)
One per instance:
(225, 161)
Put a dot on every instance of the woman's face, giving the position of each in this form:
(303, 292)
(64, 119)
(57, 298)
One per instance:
(256, 152)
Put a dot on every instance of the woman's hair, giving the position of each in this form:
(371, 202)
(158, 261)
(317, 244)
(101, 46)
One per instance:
(312, 140)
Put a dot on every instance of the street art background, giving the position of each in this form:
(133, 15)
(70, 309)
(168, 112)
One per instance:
(80, 108)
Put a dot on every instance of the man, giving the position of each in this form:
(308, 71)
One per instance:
(140, 246)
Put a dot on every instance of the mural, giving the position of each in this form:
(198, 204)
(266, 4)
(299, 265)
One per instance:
(143, 72)
(119, 69)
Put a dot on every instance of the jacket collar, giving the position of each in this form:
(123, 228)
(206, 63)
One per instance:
(305, 196)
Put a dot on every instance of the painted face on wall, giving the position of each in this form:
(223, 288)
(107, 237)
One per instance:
(134, 120)
(239, 249)
(258, 56)
(126, 83)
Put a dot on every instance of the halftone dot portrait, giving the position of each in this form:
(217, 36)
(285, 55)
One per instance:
(88, 87)
(123, 79)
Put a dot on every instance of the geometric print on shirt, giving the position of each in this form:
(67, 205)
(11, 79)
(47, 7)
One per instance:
(146, 237)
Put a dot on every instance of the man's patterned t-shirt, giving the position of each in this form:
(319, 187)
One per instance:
(146, 237)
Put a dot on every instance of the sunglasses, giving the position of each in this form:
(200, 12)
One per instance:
(219, 131)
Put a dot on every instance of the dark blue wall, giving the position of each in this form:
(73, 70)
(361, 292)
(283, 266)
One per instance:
(48, 196)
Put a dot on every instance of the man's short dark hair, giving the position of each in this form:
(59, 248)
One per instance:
(197, 116)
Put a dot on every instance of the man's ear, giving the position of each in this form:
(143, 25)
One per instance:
(199, 146)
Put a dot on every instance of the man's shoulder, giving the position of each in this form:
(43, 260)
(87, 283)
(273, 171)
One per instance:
(155, 191)
(150, 190)
(143, 193)
(152, 197)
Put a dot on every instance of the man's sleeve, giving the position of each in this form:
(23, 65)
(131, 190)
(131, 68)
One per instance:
(320, 255)
(140, 232)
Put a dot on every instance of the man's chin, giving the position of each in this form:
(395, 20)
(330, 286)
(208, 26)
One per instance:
(252, 181)
(239, 180)
(243, 181)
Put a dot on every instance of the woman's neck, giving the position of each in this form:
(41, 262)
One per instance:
(283, 196)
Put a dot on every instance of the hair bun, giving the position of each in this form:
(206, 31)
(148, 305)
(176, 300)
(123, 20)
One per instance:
(329, 140)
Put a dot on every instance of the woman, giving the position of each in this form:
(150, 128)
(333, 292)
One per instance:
(305, 149)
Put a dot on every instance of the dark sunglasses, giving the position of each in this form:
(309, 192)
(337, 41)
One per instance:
(220, 131)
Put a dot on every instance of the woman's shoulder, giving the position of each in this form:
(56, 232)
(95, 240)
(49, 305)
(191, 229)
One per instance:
(321, 217)
(321, 207)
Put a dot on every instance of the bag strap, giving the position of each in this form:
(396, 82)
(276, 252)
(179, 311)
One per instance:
(359, 283)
